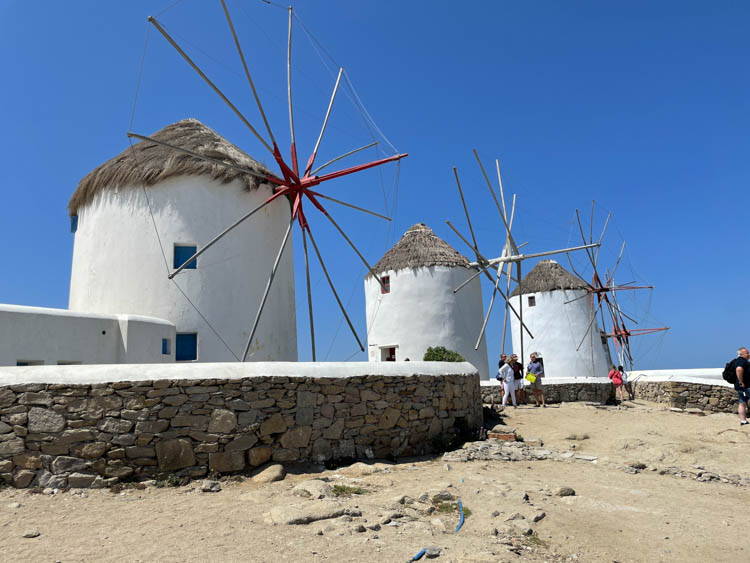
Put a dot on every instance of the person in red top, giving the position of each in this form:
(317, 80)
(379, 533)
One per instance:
(616, 378)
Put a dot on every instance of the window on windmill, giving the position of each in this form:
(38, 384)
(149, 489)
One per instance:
(186, 347)
(385, 287)
(73, 223)
(182, 253)
(166, 348)
(29, 363)
(388, 354)
(532, 301)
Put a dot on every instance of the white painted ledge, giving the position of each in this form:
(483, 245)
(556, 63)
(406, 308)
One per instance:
(46, 311)
(89, 374)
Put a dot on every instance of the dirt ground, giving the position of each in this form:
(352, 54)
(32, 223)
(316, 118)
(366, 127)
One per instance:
(613, 516)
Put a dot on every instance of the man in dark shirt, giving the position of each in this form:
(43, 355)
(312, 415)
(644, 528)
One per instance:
(742, 386)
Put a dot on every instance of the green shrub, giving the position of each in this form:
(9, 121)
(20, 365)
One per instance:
(442, 354)
(346, 490)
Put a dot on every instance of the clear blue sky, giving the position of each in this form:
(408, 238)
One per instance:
(641, 106)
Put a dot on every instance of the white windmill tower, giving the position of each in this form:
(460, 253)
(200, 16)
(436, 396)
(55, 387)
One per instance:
(117, 268)
(416, 307)
(558, 315)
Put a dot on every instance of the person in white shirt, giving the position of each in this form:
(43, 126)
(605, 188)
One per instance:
(506, 374)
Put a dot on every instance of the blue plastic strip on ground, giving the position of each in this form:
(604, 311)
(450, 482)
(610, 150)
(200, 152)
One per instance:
(461, 522)
(419, 555)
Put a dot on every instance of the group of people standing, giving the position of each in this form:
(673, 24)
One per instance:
(511, 377)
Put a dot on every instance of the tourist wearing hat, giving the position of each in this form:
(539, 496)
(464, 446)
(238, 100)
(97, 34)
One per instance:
(507, 375)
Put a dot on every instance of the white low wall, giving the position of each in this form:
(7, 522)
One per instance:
(54, 336)
(87, 375)
(706, 376)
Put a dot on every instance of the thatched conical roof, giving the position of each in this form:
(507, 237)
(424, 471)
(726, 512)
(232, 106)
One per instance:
(154, 163)
(419, 248)
(548, 275)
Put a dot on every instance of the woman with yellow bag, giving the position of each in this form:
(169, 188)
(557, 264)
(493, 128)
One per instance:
(534, 373)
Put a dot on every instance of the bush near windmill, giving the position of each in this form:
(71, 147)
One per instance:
(442, 354)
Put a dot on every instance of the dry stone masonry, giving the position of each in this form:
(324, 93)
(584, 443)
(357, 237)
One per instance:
(559, 392)
(79, 435)
(682, 395)
(676, 394)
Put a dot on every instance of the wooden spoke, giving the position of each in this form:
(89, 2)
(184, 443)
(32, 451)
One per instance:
(268, 288)
(247, 72)
(184, 55)
(489, 310)
(289, 94)
(583, 237)
(333, 289)
(466, 211)
(309, 294)
(362, 209)
(349, 241)
(601, 238)
(319, 168)
(325, 123)
(591, 322)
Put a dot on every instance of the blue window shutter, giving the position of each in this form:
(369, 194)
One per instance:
(181, 254)
(165, 346)
(186, 347)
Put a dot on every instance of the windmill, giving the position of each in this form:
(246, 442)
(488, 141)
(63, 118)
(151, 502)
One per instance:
(509, 257)
(294, 183)
(604, 291)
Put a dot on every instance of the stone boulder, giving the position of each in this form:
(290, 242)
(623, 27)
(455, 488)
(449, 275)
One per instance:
(269, 473)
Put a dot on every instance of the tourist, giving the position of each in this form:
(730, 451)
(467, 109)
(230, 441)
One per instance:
(518, 380)
(625, 383)
(500, 364)
(742, 385)
(616, 377)
(536, 368)
(507, 375)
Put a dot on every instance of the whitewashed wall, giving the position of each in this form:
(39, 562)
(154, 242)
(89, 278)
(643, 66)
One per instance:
(53, 336)
(118, 265)
(558, 329)
(422, 311)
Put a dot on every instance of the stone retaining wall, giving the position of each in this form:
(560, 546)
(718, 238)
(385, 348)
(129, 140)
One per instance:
(705, 396)
(558, 393)
(682, 395)
(92, 435)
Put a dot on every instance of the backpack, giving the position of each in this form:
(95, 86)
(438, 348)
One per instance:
(730, 373)
(517, 371)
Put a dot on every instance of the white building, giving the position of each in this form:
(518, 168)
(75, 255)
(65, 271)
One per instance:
(35, 336)
(120, 265)
(557, 312)
(417, 308)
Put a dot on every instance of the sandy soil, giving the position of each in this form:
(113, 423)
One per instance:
(614, 516)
